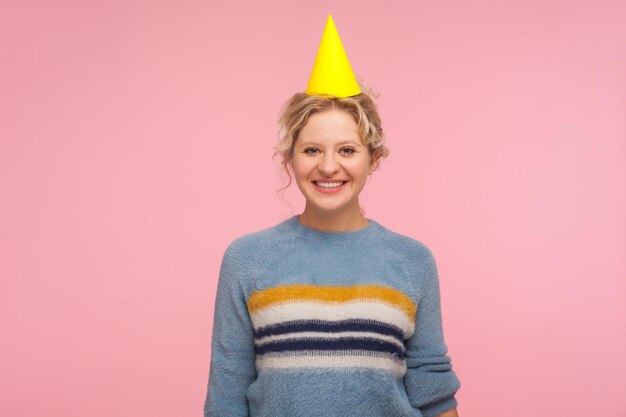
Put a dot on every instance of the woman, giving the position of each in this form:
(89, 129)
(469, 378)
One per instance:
(329, 313)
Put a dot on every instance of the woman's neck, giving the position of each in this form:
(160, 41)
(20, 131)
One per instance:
(333, 222)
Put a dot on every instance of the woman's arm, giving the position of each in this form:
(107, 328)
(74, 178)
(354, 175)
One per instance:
(449, 413)
(430, 381)
(232, 345)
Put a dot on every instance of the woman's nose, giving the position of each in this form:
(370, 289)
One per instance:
(329, 163)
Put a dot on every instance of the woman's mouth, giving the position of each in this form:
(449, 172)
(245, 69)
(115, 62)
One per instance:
(329, 187)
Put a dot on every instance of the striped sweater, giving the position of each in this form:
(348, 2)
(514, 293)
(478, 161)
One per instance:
(310, 323)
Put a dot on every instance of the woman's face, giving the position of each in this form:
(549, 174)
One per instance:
(328, 150)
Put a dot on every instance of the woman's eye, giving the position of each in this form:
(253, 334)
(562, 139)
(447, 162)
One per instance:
(311, 151)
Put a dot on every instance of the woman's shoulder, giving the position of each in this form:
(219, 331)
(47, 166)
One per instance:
(407, 250)
(404, 242)
(254, 242)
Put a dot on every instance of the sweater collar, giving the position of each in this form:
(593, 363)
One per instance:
(334, 237)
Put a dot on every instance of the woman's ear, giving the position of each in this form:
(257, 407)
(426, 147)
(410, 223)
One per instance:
(373, 166)
(290, 166)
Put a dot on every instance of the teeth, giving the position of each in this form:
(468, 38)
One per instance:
(328, 184)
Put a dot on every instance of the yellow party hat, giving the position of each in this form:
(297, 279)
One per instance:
(332, 73)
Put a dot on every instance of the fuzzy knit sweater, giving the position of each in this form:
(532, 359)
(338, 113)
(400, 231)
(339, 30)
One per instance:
(310, 323)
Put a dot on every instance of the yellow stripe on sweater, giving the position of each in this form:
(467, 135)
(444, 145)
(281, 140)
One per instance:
(331, 294)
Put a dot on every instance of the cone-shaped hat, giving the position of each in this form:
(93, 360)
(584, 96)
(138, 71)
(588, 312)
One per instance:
(332, 73)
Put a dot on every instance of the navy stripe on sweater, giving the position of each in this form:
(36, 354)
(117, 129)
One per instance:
(353, 325)
(343, 343)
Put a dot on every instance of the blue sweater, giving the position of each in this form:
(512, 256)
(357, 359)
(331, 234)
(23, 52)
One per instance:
(336, 324)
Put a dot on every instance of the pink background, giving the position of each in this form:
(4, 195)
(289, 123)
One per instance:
(136, 141)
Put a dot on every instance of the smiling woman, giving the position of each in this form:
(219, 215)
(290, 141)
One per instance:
(331, 145)
(329, 313)
(326, 139)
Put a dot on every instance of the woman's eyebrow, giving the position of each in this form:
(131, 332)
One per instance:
(345, 142)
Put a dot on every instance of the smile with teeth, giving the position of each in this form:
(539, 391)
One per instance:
(329, 184)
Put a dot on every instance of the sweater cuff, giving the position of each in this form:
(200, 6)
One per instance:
(439, 407)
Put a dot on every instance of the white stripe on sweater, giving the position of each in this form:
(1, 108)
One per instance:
(312, 310)
(333, 359)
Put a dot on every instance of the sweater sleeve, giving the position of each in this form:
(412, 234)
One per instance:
(232, 368)
(430, 382)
